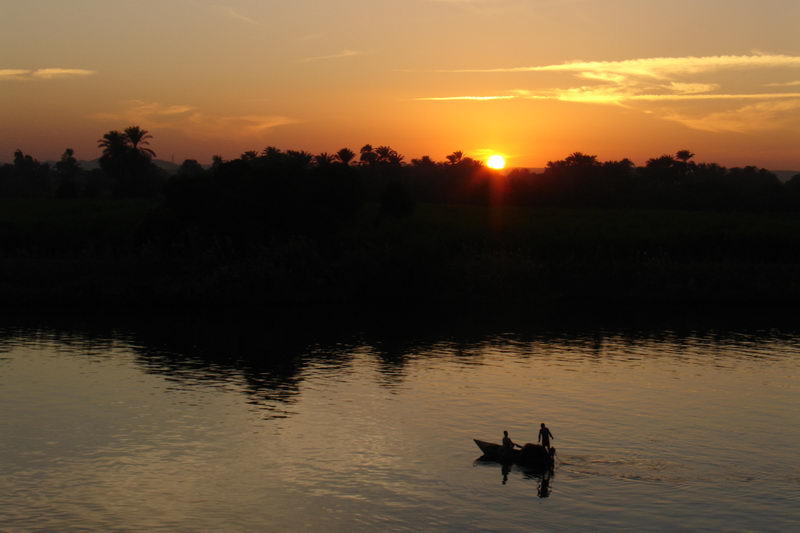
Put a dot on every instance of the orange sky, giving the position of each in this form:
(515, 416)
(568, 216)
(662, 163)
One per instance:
(532, 79)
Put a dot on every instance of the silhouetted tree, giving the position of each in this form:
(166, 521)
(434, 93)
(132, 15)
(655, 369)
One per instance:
(324, 159)
(115, 145)
(130, 167)
(67, 170)
(455, 158)
(139, 139)
(388, 156)
(26, 177)
(190, 169)
(368, 156)
(423, 162)
(271, 152)
(345, 155)
(298, 160)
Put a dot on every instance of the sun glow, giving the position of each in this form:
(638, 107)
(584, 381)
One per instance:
(497, 162)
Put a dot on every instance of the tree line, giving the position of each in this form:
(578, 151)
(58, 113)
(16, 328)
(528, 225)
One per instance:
(331, 187)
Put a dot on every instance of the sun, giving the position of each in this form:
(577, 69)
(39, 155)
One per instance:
(497, 162)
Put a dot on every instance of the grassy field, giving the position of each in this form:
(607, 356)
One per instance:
(113, 253)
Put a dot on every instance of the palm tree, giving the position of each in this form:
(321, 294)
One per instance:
(68, 166)
(424, 161)
(579, 159)
(114, 144)
(386, 154)
(345, 155)
(138, 138)
(684, 155)
(298, 158)
(455, 158)
(324, 159)
(686, 166)
(368, 157)
(271, 153)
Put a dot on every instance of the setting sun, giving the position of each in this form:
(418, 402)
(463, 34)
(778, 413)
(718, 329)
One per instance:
(497, 162)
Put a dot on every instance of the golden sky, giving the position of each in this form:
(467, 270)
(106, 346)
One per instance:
(531, 79)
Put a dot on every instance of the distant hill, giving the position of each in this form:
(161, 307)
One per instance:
(785, 175)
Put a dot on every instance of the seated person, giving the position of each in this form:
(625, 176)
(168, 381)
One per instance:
(508, 444)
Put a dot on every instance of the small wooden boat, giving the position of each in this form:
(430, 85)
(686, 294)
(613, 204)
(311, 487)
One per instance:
(531, 455)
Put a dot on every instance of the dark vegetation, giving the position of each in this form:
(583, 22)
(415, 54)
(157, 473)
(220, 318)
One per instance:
(291, 228)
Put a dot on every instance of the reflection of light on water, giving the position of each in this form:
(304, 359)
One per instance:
(378, 432)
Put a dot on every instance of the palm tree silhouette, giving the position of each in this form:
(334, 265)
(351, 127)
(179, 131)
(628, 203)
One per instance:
(684, 155)
(324, 159)
(368, 157)
(345, 155)
(68, 165)
(114, 144)
(271, 153)
(138, 138)
(386, 154)
(455, 158)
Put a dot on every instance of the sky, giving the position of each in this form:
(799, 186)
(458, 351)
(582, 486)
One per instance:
(534, 80)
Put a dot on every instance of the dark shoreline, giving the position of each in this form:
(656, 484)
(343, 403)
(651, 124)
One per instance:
(119, 255)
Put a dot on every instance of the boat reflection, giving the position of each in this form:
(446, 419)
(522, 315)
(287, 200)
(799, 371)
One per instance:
(543, 477)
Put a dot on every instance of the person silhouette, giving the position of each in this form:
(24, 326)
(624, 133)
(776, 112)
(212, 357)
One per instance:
(545, 436)
(508, 444)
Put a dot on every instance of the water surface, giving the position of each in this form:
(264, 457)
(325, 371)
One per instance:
(254, 427)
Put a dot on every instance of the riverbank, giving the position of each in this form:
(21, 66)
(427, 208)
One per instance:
(129, 253)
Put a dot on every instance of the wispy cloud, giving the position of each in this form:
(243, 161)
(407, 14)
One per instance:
(192, 121)
(754, 117)
(232, 14)
(487, 7)
(14, 74)
(657, 85)
(783, 84)
(342, 54)
(137, 110)
(43, 73)
(50, 73)
(656, 67)
(258, 123)
(608, 96)
(456, 98)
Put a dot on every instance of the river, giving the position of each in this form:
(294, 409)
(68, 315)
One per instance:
(180, 425)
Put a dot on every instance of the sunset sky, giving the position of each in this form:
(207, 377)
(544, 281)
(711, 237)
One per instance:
(531, 79)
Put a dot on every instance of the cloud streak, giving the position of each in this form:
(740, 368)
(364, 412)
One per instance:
(192, 121)
(656, 67)
(783, 84)
(474, 98)
(44, 73)
(760, 116)
(340, 55)
(232, 14)
(664, 87)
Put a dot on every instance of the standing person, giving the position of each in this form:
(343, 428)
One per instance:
(545, 436)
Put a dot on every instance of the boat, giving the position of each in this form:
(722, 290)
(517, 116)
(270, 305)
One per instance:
(531, 455)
